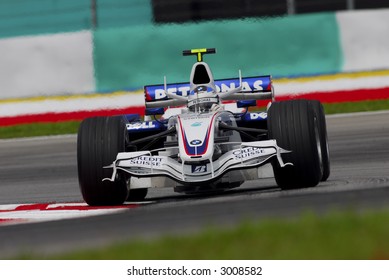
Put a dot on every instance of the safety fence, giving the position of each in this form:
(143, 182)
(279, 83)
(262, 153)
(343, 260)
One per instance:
(197, 10)
(26, 17)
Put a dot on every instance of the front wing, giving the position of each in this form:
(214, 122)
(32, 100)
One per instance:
(247, 155)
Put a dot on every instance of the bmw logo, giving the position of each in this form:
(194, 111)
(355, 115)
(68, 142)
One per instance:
(196, 142)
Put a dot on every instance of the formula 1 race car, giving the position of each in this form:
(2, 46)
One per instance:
(205, 140)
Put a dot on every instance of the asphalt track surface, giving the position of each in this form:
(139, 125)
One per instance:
(44, 170)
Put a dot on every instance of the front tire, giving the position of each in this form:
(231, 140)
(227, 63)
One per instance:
(99, 141)
(294, 126)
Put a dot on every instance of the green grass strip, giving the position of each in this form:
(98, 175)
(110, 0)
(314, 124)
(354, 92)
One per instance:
(42, 129)
(337, 235)
(351, 107)
(38, 129)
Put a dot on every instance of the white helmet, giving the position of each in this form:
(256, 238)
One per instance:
(201, 99)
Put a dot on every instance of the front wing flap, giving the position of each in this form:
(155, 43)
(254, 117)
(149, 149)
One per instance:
(248, 155)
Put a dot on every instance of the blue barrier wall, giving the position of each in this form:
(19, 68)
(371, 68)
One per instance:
(117, 13)
(131, 57)
(32, 17)
(26, 17)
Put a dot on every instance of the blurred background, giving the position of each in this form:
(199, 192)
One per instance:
(25, 17)
(62, 47)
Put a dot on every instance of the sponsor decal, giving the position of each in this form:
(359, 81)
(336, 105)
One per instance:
(252, 84)
(196, 142)
(256, 116)
(202, 101)
(248, 152)
(199, 168)
(183, 91)
(146, 161)
(205, 116)
(140, 125)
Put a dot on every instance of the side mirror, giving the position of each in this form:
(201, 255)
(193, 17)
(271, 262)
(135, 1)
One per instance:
(246, 103)
(154, 111)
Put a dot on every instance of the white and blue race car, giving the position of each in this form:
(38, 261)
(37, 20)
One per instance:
(205, 140)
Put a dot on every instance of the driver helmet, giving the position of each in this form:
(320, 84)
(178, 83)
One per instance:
(201, 99)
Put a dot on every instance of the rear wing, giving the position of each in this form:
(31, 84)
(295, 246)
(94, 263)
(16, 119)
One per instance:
(253, 88)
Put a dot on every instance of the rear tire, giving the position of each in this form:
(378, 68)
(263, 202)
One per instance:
(319, 111)
(295, 127)
(99, 141)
